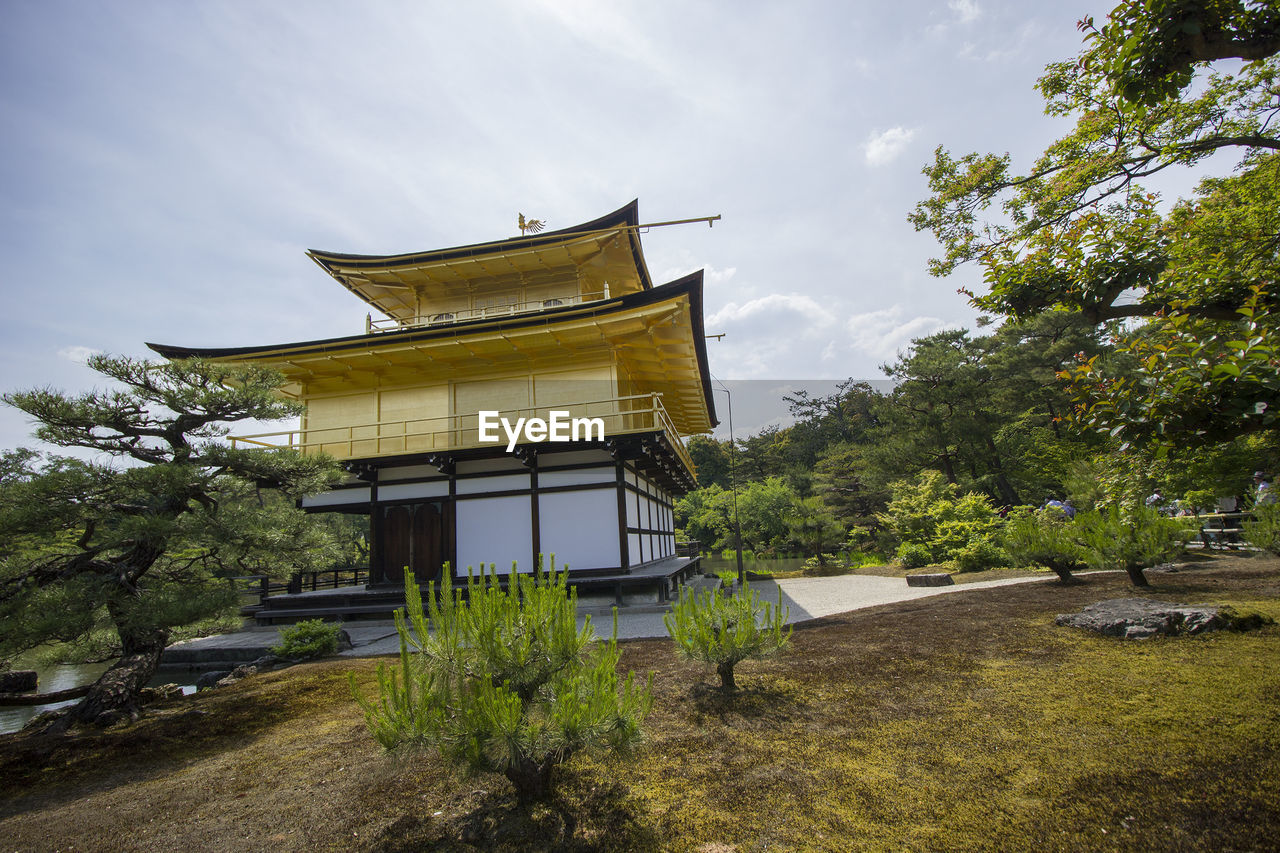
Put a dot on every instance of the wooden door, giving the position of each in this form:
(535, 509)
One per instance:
(397, 543)
(427, 542)
(413, 537)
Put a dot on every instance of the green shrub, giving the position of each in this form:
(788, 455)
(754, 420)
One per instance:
(826, 565)
(310, 638)
(505, 681)
(931, 513)
(980, 554)
(1200, 500)
(1263, 530)
(914, 555)
(1132, 538)
(725, 629)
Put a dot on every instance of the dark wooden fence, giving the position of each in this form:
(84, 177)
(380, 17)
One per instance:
(262, 586)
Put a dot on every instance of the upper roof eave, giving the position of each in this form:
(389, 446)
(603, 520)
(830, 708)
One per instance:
(627, 216)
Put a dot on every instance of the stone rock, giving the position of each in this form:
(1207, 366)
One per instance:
(147, 695)
(210, 679)
(242, 671)
(265, 662)
(19, 681)
(344, 641)
(1142, 618)
(934, 579)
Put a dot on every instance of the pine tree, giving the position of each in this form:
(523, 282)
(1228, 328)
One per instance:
(503, 680)
(140, 539)
(724, 629)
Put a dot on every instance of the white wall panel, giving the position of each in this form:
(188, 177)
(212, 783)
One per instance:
(495, 530)
(505, 483)
(405, 491)
(576, 457)
(547, 479)
(337, 497)
(580, 528)
(481, 466)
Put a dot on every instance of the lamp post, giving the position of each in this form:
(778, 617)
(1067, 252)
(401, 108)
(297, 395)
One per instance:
(733, 484)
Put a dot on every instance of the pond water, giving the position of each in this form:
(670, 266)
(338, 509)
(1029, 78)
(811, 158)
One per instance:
(66, 676)
(716, 563)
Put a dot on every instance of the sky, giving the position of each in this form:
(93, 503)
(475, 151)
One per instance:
(164, 166)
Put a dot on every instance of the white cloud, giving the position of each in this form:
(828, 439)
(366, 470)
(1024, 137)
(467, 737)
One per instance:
(769, 336)
(882, 148)
(776, 309)
(883, 334)
(78, 354)
(711, 276)
(1009, 47)
(966, 10)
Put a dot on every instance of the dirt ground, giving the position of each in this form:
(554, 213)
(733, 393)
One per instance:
(960, 722)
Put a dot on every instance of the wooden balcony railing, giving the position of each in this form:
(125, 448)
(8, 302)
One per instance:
(638, 413)
(437, 318)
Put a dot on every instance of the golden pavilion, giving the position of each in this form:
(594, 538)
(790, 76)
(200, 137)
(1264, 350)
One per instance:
(563, 327)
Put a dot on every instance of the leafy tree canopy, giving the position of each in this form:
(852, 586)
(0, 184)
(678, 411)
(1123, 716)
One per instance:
(137, 537)
(1079, 232)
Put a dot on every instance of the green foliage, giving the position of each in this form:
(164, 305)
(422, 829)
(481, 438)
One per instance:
(140, 540)
(1189, 381)
(934, 523)
(1131, 538)
(763, 508)
(310, 638)
(1084, 485)
(504, 680)
(1148, 49)
(826, 565)
(914, 555)
(1077, 232)
(814, 527)
(1200, 500)
(706, 515)
(723, 630)
(711, 459)
(1045, 537)
(846, 479)
(1263, 529)
(979, 555)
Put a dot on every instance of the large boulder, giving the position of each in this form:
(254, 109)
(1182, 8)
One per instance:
(1140, 618)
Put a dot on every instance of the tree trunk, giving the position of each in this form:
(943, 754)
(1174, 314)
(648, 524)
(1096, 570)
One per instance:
(1064, 574)
(948, 470)
(115, 693)
(1007, 493)
(727, 682)
(531, 779)
(1137, 577)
